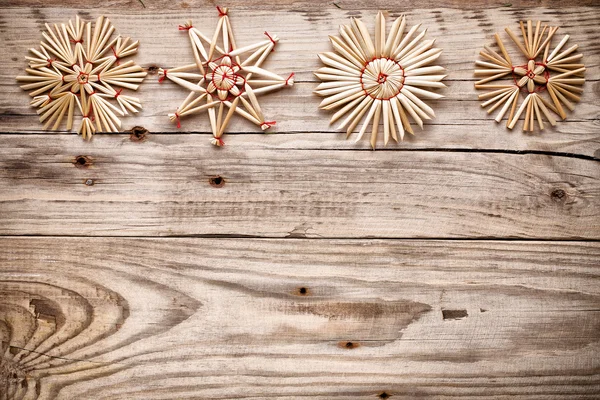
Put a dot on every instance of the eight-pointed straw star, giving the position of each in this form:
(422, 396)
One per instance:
(225, 82)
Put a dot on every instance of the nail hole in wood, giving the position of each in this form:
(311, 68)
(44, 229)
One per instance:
(138, 134)
(152, 70)
(348, 345)
(89, 182)
(454, 314)
(82, 161)
(384, 395)
(558, 195)
(216, 181)
(303, 291)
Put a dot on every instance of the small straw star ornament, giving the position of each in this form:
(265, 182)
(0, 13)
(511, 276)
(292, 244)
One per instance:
(559, 73)
(77, 68)
(220, 82)
(385, 79)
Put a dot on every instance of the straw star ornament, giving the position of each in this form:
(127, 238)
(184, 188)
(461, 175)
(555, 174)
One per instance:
(386, 79)
(558, 73)
(78, 68)
(225, 79)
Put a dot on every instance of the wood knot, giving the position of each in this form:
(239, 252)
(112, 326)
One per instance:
(82, 161)
(11, 374)
(216, 181)
(558, 195)
(348, 345)
(302, 291)
(138, 134)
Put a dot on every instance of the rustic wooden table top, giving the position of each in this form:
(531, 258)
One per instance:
(462, 262)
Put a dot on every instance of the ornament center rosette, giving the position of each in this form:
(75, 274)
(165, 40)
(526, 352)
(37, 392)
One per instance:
(532, 76)
(225, 78)
(382, 78)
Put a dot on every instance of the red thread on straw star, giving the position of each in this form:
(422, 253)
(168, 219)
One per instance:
(222, 12)
(272, 40)
(163, 76)
(290, 78)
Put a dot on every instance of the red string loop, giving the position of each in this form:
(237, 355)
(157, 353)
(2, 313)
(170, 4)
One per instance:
(178, 120)
(269, 124)
(162, 78)
(272, 40)
(541, 87)
(115, 54)
(221, 142)
(185, 27)
(287, 81)
(76, 41)
(221, 12)
(118, 93)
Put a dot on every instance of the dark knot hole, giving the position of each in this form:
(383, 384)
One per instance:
(82, 162)
(217, 181)
(138, 133)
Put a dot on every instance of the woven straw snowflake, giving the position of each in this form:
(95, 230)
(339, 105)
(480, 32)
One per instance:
(77, 67)
(557, 73)
(221, 82)
(386, 79)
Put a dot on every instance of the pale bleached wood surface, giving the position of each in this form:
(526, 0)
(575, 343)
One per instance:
(323, 303)
(323, 319)
(160, 186)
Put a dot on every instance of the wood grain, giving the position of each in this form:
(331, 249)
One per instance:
(161, 186)
(136, 318)
(315, 269)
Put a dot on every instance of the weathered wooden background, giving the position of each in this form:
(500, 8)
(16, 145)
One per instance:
(463, 262)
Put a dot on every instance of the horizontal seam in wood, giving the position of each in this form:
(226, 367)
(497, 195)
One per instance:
(323, 238)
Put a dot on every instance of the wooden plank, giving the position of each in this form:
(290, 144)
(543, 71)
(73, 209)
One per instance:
(304, 5)
(321, 319)
(161, 187)
(460, 121)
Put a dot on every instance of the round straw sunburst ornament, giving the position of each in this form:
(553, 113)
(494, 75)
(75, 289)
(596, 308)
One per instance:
(386, 79)
(548, 79)
(78, 67)
(222, 78)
